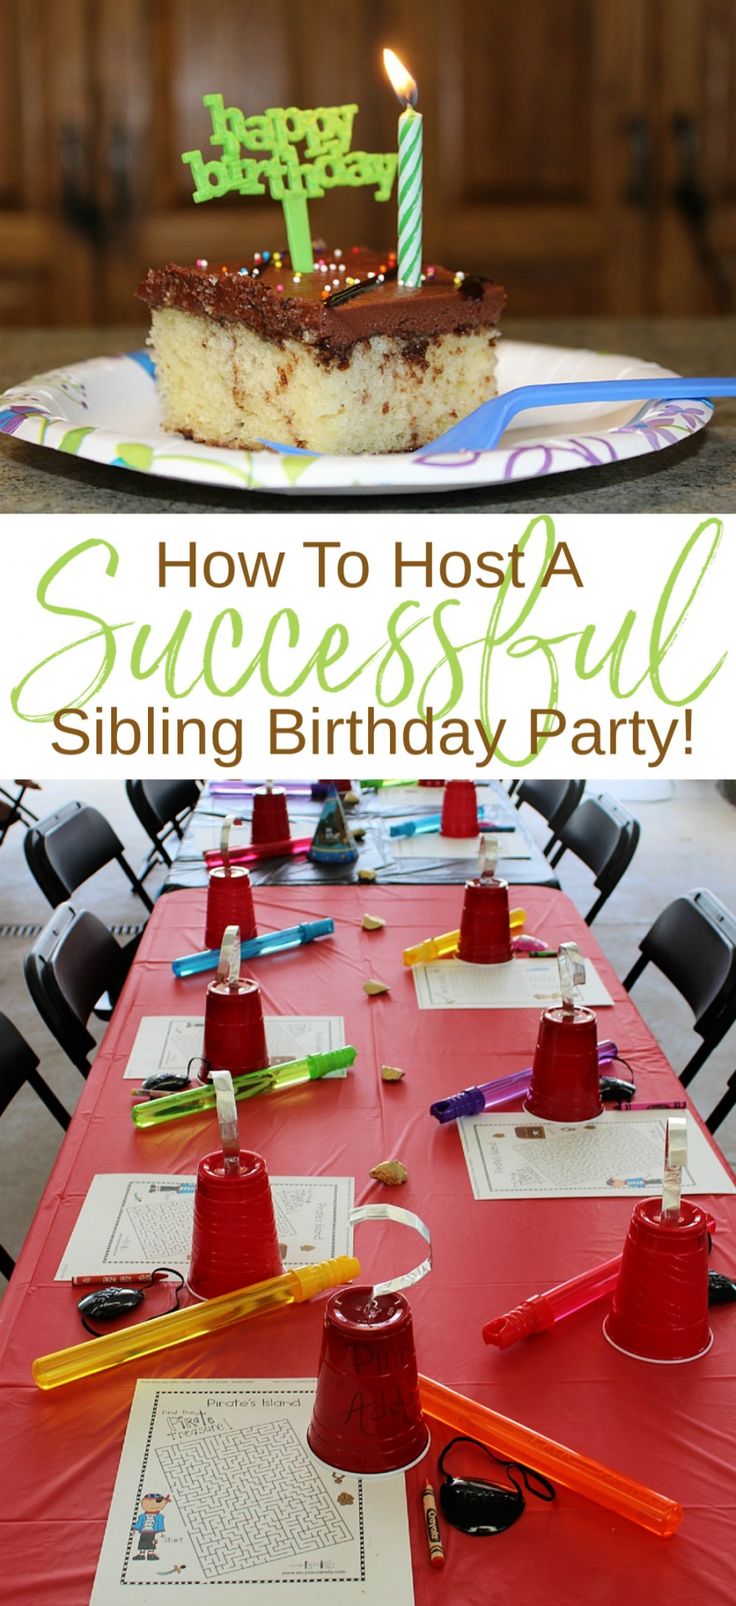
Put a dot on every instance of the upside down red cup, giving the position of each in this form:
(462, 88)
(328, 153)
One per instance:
(367, 1417)
(459, 809)
(229, 903)
(485, 934)
(270, 821)
(234, 1032)
(565, 1084)
(234, 1238)
(659, 1310)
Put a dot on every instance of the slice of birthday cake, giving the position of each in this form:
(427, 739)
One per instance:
(343, 359)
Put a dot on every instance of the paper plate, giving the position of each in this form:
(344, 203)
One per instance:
(107, 411)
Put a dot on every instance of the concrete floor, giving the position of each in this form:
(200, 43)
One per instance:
(688, 839)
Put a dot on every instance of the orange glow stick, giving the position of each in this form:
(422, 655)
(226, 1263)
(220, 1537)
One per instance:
(577, 1472)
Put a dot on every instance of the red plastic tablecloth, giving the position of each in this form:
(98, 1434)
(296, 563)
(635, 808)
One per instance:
(670, 1427)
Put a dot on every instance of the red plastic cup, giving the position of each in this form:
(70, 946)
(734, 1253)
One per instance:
(459, 810)
(485, 934)
(270, 821)
(229, 903)
(659, 1310)
(565, 1084)
(367, 1417)
(234, 1033)
(234, 1238)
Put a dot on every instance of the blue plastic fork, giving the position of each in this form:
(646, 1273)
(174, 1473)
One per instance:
(482, 429)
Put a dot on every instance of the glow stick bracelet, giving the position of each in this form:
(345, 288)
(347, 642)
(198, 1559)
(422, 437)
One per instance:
(490, 1095)
(514, 1442)
(176, 1327)
(270, 942)
(445, 946)
(272, 1079)
(293, 847)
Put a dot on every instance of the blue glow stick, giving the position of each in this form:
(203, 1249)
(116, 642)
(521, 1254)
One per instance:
(271, 942)
(432, 822)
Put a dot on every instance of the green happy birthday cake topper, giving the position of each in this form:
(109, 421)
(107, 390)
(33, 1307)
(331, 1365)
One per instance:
(291, 177)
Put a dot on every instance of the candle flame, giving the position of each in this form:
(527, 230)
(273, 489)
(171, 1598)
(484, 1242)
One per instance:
(402, 83)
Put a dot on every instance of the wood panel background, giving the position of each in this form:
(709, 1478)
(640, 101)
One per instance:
(583, 151)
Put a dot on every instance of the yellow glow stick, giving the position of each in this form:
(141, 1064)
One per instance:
(209, 1316)
(445, 946)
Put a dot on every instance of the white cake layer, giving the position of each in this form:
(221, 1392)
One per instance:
(222, 384)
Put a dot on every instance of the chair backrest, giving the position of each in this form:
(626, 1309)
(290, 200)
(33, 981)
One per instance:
(17, 1059)
(161, 803)
(554, 800)
(604, 836)
(693, 943)
(19, 1067)
(68, 847)
(71, 964)
(602, 833)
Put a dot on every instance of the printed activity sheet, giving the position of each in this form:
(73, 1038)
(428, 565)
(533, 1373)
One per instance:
(511, 1155)
(521, 984)
(135, 1223)
(169, 1042)
(511, 845)
(217, 1490)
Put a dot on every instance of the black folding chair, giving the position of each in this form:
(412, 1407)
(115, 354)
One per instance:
(19, 1068)
(693, 944)
(163, 809)
(604, 836)
(724, 1105)
(68, 847)
(73, 962)
(15, 809)
(554, 800)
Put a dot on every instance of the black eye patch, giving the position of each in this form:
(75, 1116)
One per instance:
(478, 1507)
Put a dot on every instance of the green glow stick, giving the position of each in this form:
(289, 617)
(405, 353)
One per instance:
(175, 1106)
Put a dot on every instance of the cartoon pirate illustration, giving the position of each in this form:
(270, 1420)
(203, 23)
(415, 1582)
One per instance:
(149, 1524)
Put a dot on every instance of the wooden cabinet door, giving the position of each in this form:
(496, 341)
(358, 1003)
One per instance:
(540, 160)
(536, 163)
(696, 141)
(46, 265)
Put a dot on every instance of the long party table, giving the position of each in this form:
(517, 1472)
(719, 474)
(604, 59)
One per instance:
(669, 1427)
(376, 812)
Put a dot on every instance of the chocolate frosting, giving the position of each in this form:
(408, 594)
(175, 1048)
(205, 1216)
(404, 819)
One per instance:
(269, 298)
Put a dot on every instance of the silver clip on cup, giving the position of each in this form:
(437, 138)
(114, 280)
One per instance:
(227, 826)
(488, 849)
(571, 966)
(675, 1160)
(228, 964)
(406, 1218)
(227, 1119)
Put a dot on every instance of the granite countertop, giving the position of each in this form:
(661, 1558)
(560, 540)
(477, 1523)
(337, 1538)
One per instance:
(698, 475)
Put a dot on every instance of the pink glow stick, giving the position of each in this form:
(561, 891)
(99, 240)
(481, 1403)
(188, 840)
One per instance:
(535, 1315)
(295, 847)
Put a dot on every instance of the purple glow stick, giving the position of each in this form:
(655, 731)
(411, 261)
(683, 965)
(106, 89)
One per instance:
(491, 1095)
